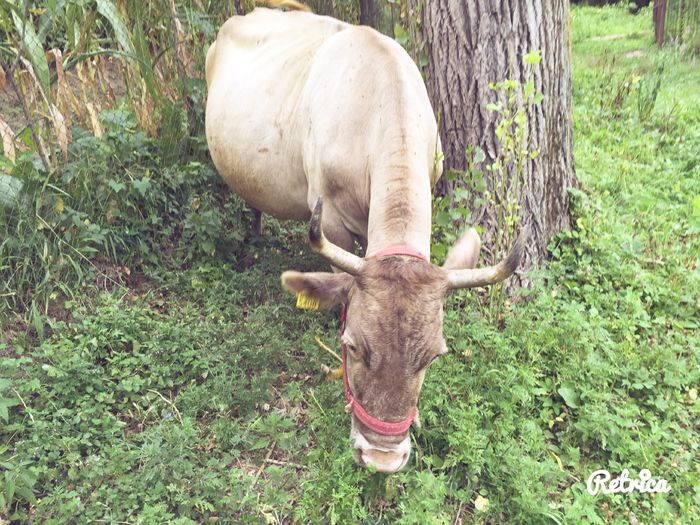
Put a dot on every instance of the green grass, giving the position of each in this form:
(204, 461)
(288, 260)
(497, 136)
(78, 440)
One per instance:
(158, 400)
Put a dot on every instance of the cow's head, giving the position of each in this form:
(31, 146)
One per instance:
(393, 327)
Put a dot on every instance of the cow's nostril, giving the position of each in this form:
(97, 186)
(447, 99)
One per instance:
(383, 461)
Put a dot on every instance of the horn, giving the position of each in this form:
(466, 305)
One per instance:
(346, 261)
(471, 278)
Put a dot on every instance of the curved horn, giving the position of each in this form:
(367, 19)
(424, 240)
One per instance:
(471, 278)
(346, 261)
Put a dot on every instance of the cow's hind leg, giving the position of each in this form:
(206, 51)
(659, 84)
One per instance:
(257, 221)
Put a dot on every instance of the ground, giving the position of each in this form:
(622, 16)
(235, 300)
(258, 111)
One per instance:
(195, 395)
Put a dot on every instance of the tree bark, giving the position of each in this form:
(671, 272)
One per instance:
(324, 7)
(473, 43)
(367, 13)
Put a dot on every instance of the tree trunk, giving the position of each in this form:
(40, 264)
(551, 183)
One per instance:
(471, 44)
(367, 14)
(324, 7)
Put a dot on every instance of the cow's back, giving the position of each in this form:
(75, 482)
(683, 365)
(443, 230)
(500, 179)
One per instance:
(256, 71)
(302, 105)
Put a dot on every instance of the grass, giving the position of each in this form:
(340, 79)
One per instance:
(188, 390)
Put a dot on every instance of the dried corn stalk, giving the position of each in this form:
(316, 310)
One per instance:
(8, 142)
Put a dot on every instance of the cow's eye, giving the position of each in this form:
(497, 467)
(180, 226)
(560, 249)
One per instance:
(350, 346)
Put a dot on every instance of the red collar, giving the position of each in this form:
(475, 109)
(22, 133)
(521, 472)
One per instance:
(384, 428)
(400, 249)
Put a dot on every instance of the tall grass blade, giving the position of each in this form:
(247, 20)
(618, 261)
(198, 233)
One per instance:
(107, 9)
(53, 11)
(145, 61)
(35, 51)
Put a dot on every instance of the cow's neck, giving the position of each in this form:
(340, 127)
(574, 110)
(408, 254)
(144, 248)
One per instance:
(400, 208)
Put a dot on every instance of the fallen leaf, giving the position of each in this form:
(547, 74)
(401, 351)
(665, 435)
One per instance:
(557, 459)
(481, 503)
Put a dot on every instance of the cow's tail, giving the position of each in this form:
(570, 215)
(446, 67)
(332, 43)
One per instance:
(292, 5)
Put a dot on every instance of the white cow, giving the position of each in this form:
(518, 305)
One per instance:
(302, 106)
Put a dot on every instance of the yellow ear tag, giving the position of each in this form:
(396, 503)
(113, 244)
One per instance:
(307, 302)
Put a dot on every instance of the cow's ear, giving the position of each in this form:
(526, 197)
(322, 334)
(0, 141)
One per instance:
(328, 288)
(465, 252)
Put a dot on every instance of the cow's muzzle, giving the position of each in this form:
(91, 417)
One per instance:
(387, 458)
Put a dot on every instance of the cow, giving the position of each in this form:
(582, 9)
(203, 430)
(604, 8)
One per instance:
(311, 118)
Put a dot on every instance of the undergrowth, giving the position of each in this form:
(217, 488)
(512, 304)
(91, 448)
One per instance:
(188, 390)
(115, 200)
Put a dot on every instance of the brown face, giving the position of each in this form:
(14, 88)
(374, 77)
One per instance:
(394, 325)
(393, 332)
